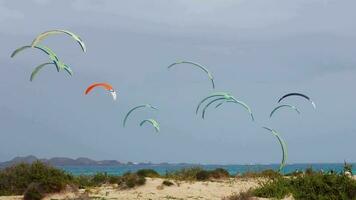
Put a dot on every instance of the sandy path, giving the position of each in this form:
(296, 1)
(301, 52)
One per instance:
(153, 189)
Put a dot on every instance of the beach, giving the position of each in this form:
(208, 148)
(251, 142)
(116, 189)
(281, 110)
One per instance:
(153, 189)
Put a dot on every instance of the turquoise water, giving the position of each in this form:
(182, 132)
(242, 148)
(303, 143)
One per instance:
(232, 169)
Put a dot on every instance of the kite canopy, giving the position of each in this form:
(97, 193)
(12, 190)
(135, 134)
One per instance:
(153, 122)
(52, 56)
(224, 97)
(196, 65)
(44, 35)
(283, 147)
(106, 86)
(215, 94)
(135, 108)
(297, 94)
(283, 106)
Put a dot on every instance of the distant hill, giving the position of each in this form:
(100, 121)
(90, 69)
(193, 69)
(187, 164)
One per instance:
(61, 161)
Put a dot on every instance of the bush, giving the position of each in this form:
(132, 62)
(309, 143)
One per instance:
(277, 188)
(241, 196)
(313, 185)
(15, 180)
(219, 173)
(347, 168)
(198, 174)
(185, 174)
(269, 173)
(130, 180)
(167, 183)
(99, 179)
(84, 181)
(202, 175)
(147, 173)
(113, 179)
(34, 191)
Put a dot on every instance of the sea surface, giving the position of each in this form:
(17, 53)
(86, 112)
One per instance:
(232, 169)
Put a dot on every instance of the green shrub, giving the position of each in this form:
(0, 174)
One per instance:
(113, 179)
(99, 179)
(15, 180)
(312, 185)
(35, 191)
(269, 173)
(240, 196)
(197, 174)
(147, 173)
(219, 173)
(185, 174)
(83, 181)
(347, 167)
(202, 175)
(167, 183)
(130, 180)
(276, 188)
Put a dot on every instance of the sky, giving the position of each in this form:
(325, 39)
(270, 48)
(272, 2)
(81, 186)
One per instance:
(257, 50)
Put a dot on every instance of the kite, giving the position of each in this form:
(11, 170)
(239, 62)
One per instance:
(39, 67)
(216, 94)
(153, 122)
(137, 107)
(106, 86)
(197, 65)
(282, 106)
(297, 94)
(283, 147)
(44, 35)
(225, 97)
(52, 56)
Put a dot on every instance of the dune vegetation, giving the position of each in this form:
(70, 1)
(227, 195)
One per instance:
(36, 180)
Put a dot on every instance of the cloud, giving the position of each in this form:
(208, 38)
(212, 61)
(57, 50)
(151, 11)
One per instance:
(7, 14)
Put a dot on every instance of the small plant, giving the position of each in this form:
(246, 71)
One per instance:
(34, 192)
(185, 174)
(313, 185)
(147, 173)
(15, 180)
(219, 173)
(100, 178)
(347, 168)
(130, 180)
(277, 188)
(198, 174)
(269, 173)
(202, 175)
(167, 183)
(240, 196)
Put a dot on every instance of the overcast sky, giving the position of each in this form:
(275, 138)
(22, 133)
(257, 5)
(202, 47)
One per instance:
(257, 50)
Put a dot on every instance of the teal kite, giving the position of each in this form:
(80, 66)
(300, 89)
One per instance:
(52, 56)
(283, 147)
(137, 107)
(225, 97)
(39, 67)
(153, 122)
(282, 106)
(197, 65)
(216, 94)
(44, 35)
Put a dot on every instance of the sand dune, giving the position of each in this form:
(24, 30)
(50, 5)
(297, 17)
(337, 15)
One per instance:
(153, 189)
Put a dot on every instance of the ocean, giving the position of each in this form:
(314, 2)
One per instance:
(232, 169)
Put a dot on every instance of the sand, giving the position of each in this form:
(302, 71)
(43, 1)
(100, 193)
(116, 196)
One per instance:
(153, 189)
